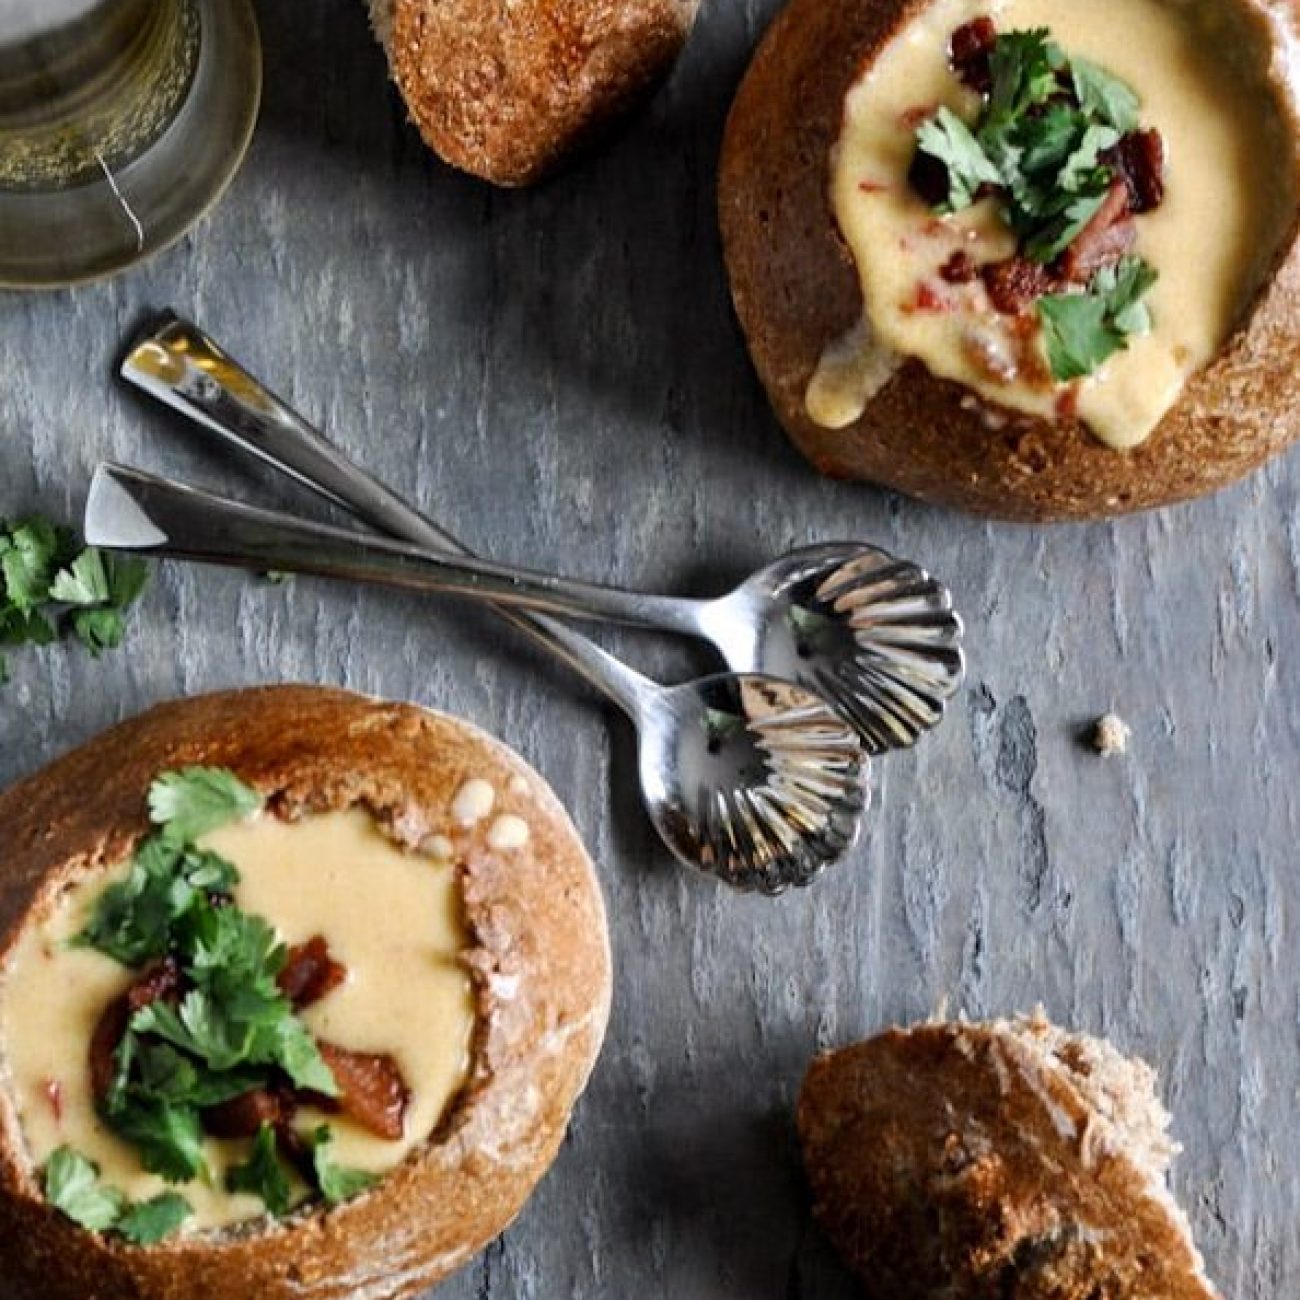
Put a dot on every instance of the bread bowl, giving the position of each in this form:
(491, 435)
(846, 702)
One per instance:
(1009, 1158)
(814, 184)
(504, 991)
(508, 92)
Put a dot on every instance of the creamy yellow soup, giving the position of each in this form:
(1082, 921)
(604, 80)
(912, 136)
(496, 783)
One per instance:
(1201, 70)
(391, 916)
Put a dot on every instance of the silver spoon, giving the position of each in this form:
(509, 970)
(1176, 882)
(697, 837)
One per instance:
(874, 635)
(754, 780)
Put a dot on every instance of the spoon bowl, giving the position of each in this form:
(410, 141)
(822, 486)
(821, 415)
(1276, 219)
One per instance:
(750, 779)
(875, 635)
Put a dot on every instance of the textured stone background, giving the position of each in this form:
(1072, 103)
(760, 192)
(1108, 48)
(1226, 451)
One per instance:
(558, 375)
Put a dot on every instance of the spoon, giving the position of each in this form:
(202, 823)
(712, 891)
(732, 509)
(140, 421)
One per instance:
(874, 635)
(751, 779)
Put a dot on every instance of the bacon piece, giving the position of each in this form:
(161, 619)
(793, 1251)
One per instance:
(1139, 161)
(158, 983)
(960, 268)
(1105, 239)
(243, 1116)
(928, 177)
(969, 51)
(371, 1090)
(1015, 284)
(54, 1095)
(310, 973)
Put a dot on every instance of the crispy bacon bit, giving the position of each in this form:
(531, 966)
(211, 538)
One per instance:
(872, 187)
(1105, 239)
(54, 1095)
(158, 983)
(1067, 405)
(310, 973)
(969, 51)
(928, 298)
(1139, 160)
(928, 177)
(371, 1090)
(918, 113)
(1015, 284)
(243, 1116)
(960, 268)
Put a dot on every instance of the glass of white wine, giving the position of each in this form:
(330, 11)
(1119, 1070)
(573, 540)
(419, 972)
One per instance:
(121, 123)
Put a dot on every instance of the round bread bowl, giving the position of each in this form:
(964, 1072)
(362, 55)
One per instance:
(1011, 1158)
(508, 94)
(796, 291)
(539, 964)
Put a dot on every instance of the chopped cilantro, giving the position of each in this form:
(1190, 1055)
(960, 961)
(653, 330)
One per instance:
(1082, 330)
(72, 1186)
(48, 584)
(233, 1031)
(337, 1184)
(263, 1175)
(1039, 143)
(947, 138)
(153, 1221)
(190, 803)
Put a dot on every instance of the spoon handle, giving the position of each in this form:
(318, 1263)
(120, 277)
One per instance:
(133, 511)
(183, 368)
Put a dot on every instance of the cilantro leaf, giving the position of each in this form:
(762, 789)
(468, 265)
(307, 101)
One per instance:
(98, 629)
(1081, 331)
(190, 803)
(263, 1175)
(134, 918)
(1124, 285)
(1076, 334)
(155, 1220)
(1023, 67)
(337, 1183)
(298, 1056)
(168, 1138)
(948, 139)
(1082, 167)
(29, 554)
(1105, 96)
(83, 582)
(72, 1187)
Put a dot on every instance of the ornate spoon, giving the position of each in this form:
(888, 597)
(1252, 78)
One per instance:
(876, 636)
(754, 780)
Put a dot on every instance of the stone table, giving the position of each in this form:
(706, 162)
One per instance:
(558, 376)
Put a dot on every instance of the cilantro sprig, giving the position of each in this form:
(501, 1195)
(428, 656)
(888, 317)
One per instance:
(229, 1031)
(1082, 330)
(72, 1186)
(51, 586)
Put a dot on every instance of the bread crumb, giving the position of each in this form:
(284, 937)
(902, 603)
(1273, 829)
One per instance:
(1111, 735)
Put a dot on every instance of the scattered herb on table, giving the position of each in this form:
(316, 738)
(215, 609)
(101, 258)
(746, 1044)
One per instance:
(51, 586)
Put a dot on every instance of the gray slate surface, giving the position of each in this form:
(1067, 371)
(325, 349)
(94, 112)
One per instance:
(558, 375)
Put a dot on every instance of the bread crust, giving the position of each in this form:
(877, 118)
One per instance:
(540, 964)
(509, 92)
(947, 1161)
(796, 290)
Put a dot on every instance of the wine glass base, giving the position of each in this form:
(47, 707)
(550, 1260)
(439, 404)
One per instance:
(51, 239)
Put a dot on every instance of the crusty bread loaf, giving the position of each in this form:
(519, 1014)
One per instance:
(540, 966)
(508, 91)
(796, 291)
(1004, 1159)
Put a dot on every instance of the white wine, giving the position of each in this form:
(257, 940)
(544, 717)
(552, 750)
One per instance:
(121, 121)
(88, 85)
